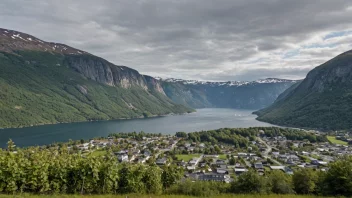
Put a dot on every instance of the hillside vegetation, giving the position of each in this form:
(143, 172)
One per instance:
(41, 88)
(322, 100)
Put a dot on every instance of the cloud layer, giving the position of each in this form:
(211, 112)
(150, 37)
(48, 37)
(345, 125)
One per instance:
(194, 39)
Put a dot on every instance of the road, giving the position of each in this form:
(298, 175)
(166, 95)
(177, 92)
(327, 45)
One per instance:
(267, 151)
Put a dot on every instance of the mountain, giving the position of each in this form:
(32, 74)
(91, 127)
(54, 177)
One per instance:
(44, 82)
(232, 94)
(322, 100)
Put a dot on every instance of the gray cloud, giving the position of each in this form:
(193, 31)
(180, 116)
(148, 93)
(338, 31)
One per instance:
(193, 39)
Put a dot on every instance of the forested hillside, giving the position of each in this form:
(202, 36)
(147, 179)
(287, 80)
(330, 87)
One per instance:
(322, 100)
(45, 83)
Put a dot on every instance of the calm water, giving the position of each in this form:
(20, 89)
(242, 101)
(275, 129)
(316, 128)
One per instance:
(203, 119)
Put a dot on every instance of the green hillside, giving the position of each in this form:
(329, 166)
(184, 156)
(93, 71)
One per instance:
(323, 100)
(42, 88)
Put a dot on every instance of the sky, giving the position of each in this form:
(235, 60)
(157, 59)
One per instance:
(222, 40)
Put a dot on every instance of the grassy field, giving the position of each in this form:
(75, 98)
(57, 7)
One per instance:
(151, 196)
(188, 157)
(98, 153)
(223, 156)
(333, 140)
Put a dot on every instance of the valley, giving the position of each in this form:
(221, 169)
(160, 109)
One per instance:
(168, 99)
(49, 83)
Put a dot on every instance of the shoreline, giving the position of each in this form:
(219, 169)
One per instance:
(292, 127)
(87, 121)
(210, 119)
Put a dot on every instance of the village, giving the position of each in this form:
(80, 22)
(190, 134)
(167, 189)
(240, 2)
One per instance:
(222, 162)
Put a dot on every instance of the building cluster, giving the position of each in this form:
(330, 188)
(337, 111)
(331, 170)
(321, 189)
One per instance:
(224, 161)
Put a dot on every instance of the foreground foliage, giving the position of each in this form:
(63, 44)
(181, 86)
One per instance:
(153, 196)
(56, 170)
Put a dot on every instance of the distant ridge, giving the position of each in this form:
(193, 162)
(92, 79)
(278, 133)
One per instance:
(230, 94)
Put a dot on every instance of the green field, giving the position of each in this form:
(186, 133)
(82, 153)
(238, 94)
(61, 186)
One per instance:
(333, 140)
(188, 157)
(98, 153)
(223, 156)
(151, 196)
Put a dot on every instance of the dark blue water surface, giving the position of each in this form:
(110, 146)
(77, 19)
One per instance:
(203, 119)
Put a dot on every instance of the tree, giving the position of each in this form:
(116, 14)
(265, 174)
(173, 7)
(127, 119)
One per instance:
(304, 181)
(338, 179)
(232, 161)
(181, 134)
(130, 180)
(280, 183)
(152, 180)
(217, 149)
(249, 182)
(170, 175)
(11, 145)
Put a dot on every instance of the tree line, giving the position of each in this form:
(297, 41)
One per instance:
(240, 137)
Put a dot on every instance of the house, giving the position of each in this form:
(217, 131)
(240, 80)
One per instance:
(203, 164)
(239, 171)
(190, 149)
(82, 147)
(122, 158)
(221, 171)
(261, 171)
(191, 168)
(102, 144)
(258, 165)
(211, 156)
(142, 160)
(288, 170)
(161, 161)
(123, 152)
(187, 145)
(147, 153)
(182, 163)
(242, 154)
(277, 168)
(220, 162)
(194, 161)
(213, 177)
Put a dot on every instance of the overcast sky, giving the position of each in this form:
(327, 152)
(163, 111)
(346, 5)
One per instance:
(194, 39)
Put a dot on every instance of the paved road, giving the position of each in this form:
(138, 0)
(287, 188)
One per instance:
(267, 151)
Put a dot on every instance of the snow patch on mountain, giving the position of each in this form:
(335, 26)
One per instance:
(225, 83)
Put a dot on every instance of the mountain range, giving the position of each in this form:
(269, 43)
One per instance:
(322, 100)
(45, 83)
(231, 94)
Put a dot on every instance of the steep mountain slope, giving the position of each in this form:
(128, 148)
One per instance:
(322, 100)
(43, 83)
(232, 94)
